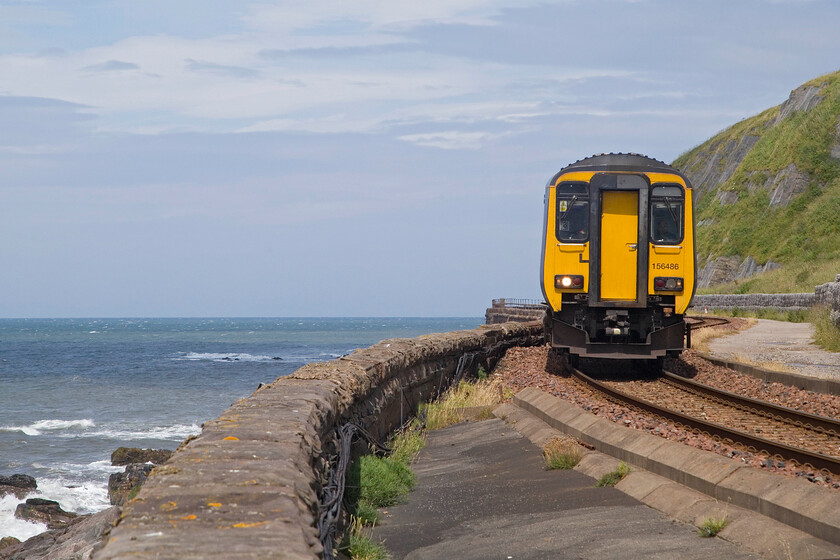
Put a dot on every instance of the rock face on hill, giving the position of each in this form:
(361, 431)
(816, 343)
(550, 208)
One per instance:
(767, 189)
(713, 163)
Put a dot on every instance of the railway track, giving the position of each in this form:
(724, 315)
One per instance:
(699, 321)
(758, 426)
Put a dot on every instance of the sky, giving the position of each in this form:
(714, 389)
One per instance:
(205, 158)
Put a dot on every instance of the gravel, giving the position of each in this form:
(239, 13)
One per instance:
(537, 367)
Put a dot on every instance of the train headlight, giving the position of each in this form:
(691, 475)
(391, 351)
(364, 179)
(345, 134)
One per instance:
(568, 281)
(668, 284)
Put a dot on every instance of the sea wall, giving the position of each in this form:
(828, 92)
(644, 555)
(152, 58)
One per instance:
(248, 486)
(753, 301)
(520, 310)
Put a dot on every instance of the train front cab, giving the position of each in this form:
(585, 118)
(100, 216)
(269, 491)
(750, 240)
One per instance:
(618, 263)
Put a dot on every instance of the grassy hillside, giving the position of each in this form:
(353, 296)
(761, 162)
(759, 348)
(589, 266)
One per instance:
(736, 217)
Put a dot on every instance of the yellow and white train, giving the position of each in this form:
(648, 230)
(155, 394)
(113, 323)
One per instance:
(618, 258)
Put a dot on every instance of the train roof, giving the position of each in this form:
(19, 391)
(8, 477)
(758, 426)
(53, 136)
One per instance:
(620, 162)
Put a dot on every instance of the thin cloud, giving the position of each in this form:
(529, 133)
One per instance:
(451, 139)
(221, 69)
(112, 66)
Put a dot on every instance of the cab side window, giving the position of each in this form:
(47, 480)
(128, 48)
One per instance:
(666, 214)
(572, 212)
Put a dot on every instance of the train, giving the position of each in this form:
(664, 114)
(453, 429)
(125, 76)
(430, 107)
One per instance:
(618, 258)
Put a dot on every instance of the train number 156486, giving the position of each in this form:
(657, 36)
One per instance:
(665, 266)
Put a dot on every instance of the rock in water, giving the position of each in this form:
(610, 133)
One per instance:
(7, 542)
(123, 486)
(18, 484)
(39, 510)
(76, 542)
(127, 455)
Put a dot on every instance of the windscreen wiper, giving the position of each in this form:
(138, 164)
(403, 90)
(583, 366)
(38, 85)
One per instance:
(569, 207)
(671, 210)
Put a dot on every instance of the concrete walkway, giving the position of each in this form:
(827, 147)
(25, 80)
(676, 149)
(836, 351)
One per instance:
(482, 493)
(778, 342)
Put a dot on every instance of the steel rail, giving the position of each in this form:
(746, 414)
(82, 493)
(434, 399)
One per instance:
(804, 457)
(800, 418)
(706, 321)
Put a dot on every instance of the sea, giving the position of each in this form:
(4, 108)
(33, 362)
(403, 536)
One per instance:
(74, 390)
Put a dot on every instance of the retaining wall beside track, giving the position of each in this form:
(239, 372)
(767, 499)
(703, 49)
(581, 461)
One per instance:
(248, 486)
(829, 294)
(753, 301)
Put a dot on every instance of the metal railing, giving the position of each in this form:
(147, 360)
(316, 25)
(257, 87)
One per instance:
(518, 303)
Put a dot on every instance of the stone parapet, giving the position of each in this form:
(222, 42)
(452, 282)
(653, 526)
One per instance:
(754, 301)
(247, 487)
(828, 294)
(496, 315)
(520, 310)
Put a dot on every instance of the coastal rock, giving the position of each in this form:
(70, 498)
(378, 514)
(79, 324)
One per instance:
(124, 486)
(78, 541)
(39, 510)
(18, 484)
(6, 542)
(127, 455)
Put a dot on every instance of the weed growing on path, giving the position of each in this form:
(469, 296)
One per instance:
(615, 476)
(562, 454)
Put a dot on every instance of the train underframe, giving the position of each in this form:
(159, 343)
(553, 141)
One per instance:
(645, 333)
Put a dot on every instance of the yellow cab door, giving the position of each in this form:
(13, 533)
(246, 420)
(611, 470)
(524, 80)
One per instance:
(619, 244)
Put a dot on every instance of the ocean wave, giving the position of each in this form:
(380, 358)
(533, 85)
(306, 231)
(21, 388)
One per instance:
(10, 526)
(322, 357)
(88, 429)
(224, 357)
(95, 468)
(37, 428)
(79, 496)
(177, 432)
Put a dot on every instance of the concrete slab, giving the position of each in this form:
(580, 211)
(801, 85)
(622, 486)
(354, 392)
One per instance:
(638, 446)
(781, 342)
(555, 412)
(505, 504)
(677, 501)
(639, 484)
(804, 506)
(775, 541)
(745, 487)
(799, 510)
(597, 465)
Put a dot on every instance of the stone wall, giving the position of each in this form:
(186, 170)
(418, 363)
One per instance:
(248, 486)
(505, 310)
(828, 294)
(753, 301)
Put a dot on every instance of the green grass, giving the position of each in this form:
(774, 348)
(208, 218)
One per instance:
(405, 445)
(615, 476)
(826, 333)
(359, 545)
(448, 409)
(562, 454)
(803, 236)
(384, 481)
(711, 526)
(374, 482)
